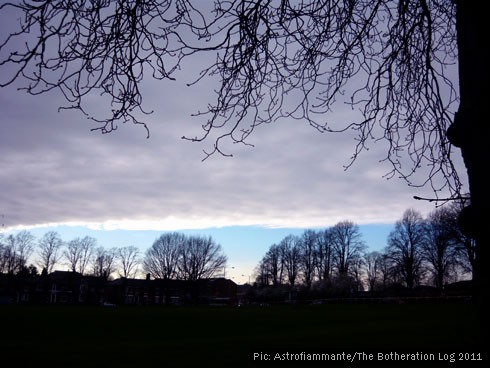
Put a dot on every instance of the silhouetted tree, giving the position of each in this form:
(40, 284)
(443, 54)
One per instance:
(72, 254)
(87, 248)
(439, 250)
(470, 133)
(385, 270)
(49, 250)
(324, 254)
(78, 253)
(372, 263)
(291, 257)
(128, 259)
(465, 245)
(9, 257)
(405, 245)
(307, 256)
(15, 251)
(357, 273)
(104, 261)
(27, 272)
(24, 247)
(274, 264)
(347, 245)
(262, 274)
(391, 60)
(200, 257)
(162, 258)
(3, 255)
(33, 270)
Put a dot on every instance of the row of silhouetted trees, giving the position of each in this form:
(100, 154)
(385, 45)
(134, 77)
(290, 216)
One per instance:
(429, 251)
(171, 256)
(419, 251)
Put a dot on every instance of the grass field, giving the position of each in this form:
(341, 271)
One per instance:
(76, 336)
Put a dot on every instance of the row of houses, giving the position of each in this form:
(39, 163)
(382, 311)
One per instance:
(65, 287)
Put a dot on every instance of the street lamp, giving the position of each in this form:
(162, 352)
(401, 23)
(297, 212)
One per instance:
(248, 278)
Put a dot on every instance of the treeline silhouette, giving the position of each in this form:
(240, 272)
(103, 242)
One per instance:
(422, 256)
(177, 269)
(333, 262)
(172, 256)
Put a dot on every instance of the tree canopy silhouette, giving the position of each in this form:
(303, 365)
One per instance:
(390, 61)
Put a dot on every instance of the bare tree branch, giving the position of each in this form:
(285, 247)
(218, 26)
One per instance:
(391, 62)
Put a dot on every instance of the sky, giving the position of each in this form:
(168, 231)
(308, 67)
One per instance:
(126, 189)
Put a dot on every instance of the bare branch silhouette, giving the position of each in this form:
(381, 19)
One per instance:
(390, 62)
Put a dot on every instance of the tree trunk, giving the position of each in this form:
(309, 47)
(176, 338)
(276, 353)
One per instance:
(470, 132)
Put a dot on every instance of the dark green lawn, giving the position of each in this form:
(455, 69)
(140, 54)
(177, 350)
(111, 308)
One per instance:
(79, 336)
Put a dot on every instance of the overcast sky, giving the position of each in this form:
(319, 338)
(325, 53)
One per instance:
(55, 171)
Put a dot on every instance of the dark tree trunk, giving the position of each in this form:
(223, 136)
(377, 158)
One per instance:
(470, 132)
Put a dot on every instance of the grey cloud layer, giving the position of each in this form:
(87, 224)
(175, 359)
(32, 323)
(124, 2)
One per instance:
(54, 170)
